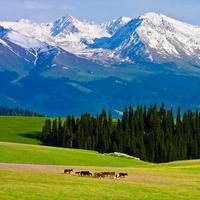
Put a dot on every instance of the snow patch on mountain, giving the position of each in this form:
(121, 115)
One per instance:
(30, 29)
(23, 41)
(80, 87)
(3, 43)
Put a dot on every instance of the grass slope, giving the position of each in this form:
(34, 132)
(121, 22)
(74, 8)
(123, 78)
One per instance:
(35, 154)
(169, 181)
(20, 129)
(143, 183)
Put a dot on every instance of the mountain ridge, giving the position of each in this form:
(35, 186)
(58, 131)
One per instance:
(73, 66)
(162, 38)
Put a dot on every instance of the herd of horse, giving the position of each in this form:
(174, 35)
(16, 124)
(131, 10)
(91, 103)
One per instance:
(97, 174)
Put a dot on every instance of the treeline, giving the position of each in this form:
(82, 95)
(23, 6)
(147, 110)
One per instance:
(152, 134)
(4, 111)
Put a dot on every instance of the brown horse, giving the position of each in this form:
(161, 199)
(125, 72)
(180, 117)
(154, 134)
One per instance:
(111, 174)
(99, 175)
(68, 171)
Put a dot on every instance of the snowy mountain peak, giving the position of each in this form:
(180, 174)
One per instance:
(162, 20)
(115, 25)
(169, 40)
(157, 19)
(151, 15)
(67, 19)
(153, 38)
(122, 20)
(74, 35)
(66, 22)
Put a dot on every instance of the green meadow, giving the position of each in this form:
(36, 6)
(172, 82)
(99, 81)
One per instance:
(35, 154)
(21, 129)
(146, 181)
(143, 183)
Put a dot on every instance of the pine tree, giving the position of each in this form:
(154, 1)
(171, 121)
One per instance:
(54, 133)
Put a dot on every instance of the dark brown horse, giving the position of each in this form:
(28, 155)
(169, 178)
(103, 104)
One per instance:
(68, 171)
(99, 175)
(77, 173)
(111, 174)
(85, 173)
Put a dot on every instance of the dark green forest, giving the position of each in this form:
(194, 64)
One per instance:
(152, 134)
(5, 111)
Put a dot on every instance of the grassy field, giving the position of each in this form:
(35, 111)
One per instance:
(35, 154)
(144, 183)
(20, 129)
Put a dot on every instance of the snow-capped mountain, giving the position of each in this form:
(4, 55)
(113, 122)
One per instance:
(74, 35)
(155, 38)
(34, 48)
(152, 38)
(70, 61)
(167, 39)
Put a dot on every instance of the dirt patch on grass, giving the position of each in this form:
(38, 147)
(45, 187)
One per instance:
(52, 168)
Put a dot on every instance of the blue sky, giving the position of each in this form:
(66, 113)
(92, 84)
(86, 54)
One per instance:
(101, 10)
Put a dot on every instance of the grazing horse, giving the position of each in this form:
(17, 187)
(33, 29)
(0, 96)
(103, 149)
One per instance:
(77, 173)
(68, 171)
(121, 175)
(111, 174)
(99, 175)
(85, 173)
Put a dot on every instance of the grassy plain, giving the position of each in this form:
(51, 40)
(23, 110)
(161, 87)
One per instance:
(144, 183)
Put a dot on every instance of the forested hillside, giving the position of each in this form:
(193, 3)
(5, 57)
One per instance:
(5, 111)
(152, 134)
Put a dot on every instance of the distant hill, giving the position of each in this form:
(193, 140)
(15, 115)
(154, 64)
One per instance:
(5, 111)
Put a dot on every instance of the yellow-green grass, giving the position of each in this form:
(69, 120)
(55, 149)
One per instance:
(176, 180)
(21, 129)
(144, 183)
(36, 154)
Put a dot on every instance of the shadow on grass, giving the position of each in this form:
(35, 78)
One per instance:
(32, 135)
